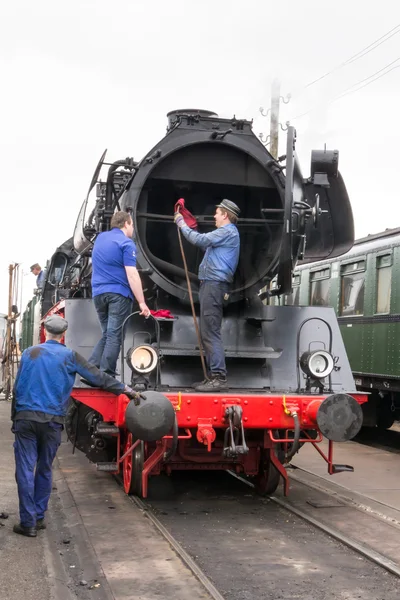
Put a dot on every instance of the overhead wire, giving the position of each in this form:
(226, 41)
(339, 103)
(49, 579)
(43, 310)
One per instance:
(384, 38)
(366, 81)
(350, 89)
(360, 54)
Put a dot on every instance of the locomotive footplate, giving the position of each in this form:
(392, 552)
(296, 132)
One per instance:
(234, 433)
(244, 432)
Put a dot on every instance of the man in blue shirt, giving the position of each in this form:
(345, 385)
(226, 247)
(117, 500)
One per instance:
(36, 269)
(41, 393)
(216, 273)
(115, 283)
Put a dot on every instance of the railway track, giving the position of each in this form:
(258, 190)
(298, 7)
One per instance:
(207, 535)
(189, 562)
(378, 558)
(277, 532)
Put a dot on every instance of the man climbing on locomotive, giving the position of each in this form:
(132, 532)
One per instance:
(115, 283)
(216, 274)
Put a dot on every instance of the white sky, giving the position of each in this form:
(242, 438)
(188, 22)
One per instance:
(82, 76)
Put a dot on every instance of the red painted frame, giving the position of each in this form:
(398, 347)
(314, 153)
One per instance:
(205, 413)
(260, 411)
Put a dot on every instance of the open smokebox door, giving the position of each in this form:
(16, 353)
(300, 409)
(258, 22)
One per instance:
(204, 174)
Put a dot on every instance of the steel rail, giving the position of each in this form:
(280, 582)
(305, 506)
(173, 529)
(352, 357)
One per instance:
(375, 557)
(175, 545)
(369, 553)
(347, 500)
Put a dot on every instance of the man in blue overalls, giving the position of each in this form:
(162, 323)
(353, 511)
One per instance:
(41, 392)
(216, 273)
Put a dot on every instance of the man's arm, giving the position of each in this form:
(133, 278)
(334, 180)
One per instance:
(96, 377)
(129, 260)
(135, 284)
(204, 240)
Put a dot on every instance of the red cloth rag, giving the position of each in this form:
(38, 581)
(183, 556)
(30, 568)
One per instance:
(162, 314)
(190, 220)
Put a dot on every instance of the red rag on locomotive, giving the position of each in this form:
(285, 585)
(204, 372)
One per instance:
(290, 379)
(190, 220)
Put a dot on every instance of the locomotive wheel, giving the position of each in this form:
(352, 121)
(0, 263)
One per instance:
(385, 415)
(132, 467)
(268, 477)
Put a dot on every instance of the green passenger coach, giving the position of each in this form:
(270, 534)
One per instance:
(363, 286)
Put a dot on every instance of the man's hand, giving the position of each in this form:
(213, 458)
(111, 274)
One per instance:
(179, 220)
(135, 396)
(145, 311)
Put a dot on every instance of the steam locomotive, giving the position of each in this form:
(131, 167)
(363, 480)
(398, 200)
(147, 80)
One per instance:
(289, 376)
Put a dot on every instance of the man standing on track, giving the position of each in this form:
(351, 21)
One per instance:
(115, 283)
(216, 273)
(41, 393)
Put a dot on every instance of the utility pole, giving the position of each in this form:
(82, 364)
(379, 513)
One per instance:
(10, 359)
(274, 127)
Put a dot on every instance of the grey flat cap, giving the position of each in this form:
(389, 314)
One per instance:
(55, 324)
(229, 205)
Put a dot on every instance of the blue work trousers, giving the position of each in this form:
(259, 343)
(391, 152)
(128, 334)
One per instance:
(35, 448)
(112, 310)
(211, 309)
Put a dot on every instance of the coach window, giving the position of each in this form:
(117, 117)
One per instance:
(383, 283)
(293, 299)
(320, 286)
(352, 289)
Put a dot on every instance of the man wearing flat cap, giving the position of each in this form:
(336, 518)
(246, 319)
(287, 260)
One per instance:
(41, 393)
(40, 275)
(216, 274)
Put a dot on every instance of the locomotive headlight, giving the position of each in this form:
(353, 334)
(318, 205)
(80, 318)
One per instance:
(317, 364)
(142, 359)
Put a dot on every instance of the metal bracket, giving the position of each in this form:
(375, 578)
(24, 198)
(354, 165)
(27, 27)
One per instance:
(234, 433)
(219, 135)
(205, 432)
(153, 157)
(264, 139)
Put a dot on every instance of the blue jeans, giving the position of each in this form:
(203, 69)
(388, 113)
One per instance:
(35, 448)
(112, 310)
(211, 308)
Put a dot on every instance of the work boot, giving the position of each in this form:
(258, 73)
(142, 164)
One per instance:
(216, 383)
(27, 531)
(197, 383)
(40, 524)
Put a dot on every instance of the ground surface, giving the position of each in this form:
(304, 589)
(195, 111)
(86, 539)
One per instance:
(250, 548)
